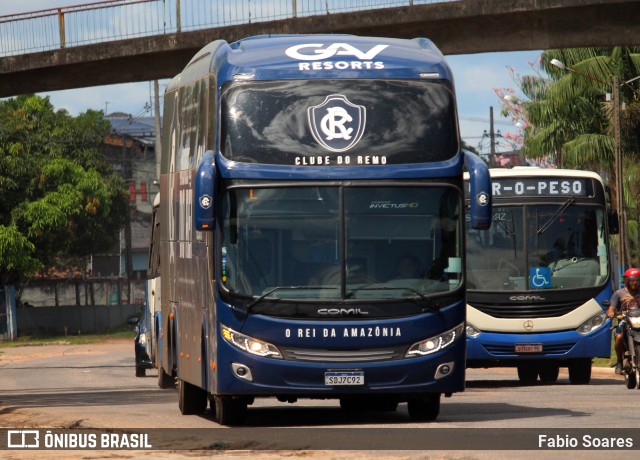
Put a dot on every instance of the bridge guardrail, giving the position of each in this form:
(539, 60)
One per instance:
(109, 20)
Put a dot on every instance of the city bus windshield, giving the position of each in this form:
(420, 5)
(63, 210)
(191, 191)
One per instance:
(340, 242)
(553, 246)
(303, 122)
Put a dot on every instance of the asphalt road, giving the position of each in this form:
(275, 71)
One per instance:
(94, 386)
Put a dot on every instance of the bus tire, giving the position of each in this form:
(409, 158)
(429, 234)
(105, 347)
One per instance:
(549, 373)
(165, 380)
(527, 374)
(580, 371)
(191, 399)
(425, 408)
(230, 411)
(140, 371)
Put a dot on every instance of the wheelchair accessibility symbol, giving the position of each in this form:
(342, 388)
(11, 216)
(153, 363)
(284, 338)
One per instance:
(539, 277)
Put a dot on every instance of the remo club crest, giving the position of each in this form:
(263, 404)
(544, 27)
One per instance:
(337, 124)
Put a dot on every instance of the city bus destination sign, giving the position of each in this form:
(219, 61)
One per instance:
(540, 186)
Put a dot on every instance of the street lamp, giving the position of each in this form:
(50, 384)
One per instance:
(622, 236)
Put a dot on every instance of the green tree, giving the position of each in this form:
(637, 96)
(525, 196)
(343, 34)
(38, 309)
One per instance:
(570, 118)
(61, 201)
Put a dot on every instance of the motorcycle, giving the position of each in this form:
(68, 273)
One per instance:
(630, 321)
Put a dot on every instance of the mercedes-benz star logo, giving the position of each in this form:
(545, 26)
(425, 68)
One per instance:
(528, 325)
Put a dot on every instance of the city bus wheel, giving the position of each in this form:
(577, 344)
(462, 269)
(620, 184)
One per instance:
(527, 374)
(191, 399)
(580, 371)
(549, 373)
(140, 371)
(165, 380)
(230, 411)
(425, 408)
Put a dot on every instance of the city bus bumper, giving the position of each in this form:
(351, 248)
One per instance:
(499, 349)
(269, 377)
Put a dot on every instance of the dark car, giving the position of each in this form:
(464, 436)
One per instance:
(143, 362)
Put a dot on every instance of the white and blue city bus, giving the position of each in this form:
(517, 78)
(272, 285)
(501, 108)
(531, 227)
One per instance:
(298, 171)
(537, 279)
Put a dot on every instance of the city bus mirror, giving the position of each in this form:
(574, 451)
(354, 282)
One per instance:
(480, 191)
(204, 191)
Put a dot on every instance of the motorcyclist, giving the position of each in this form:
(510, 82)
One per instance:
(618, 299)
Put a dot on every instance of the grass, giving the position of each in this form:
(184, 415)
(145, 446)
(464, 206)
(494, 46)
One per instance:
(34, 340)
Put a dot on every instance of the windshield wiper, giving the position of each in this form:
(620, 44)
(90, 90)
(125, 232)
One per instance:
(430, 305)
(553, 218)
(257, 300)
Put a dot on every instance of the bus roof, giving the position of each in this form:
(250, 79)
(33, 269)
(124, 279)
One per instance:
(278, 57)
(535, 171)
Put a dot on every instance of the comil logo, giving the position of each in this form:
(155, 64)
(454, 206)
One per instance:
(316, 56)
(337, 124)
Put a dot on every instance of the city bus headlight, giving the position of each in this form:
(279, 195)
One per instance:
(472, 331)
(249, 344)
(434, 344)
(593, 323)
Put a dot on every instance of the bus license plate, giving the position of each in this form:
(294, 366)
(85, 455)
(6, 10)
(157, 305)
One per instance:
(344, 378)
(529, 348)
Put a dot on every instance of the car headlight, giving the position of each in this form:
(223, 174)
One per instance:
(249, 344)
(593, 323)
(142, 339)
(472, 331)
(434, 344)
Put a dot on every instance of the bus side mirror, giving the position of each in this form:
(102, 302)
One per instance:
(614, 228)
(204, 191)
(479, 191)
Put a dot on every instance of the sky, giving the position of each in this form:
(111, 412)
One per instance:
(475, 75)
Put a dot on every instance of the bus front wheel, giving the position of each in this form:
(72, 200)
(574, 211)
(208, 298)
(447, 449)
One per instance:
(424, 408)
(229, 410)
(191, 399)
(527, 374)
(580, 371)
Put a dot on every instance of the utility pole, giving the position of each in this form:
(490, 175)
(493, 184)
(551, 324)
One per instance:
(158, 148)
(492, 140)
(622, 236)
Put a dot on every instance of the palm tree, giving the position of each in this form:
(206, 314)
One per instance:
(571, 118)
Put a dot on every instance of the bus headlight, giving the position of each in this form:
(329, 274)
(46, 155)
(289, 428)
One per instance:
(249, 344)
(142, 339)
(472, 331)
(593, 323)
(437, 343)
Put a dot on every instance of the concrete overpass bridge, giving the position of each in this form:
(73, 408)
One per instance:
(457, 27)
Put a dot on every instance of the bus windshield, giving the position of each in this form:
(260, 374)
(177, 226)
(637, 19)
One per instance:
(399, 122)
(552, 246)
(341, 242)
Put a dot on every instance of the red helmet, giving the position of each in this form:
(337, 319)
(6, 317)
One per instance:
(632, 274)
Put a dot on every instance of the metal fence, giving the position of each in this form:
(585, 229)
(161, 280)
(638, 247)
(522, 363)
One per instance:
(109, 20)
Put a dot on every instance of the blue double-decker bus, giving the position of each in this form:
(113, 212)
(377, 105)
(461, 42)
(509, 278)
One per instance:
(537, 280)
(301, 176)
